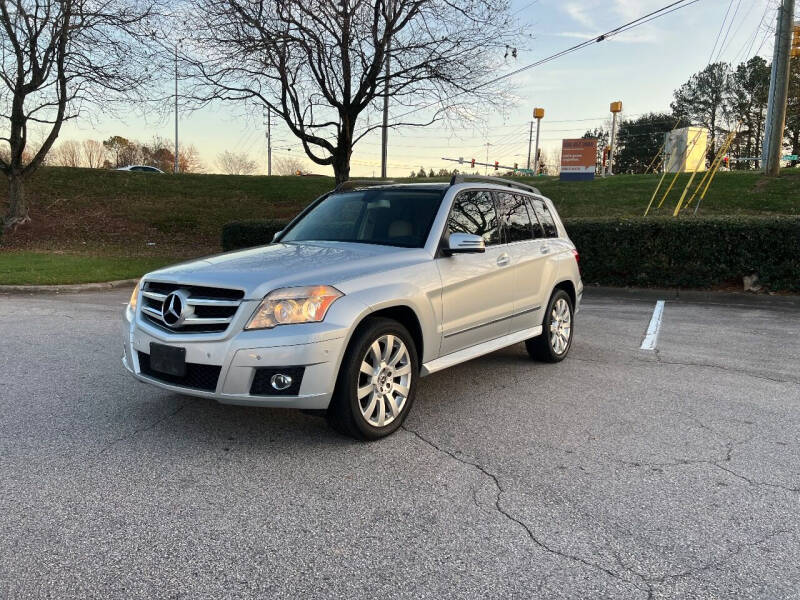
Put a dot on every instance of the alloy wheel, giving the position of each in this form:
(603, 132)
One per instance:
(560, 326)
(384, 381)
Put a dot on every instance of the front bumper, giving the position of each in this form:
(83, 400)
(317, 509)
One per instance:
(317, 347)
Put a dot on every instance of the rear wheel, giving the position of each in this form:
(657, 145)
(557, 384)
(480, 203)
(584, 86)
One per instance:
(377, 381)
(556, 339)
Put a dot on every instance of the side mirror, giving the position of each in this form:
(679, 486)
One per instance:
(276, 235)
(465, 243)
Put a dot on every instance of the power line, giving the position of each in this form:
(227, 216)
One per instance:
(719, 33)
(663, 11)
(727, 33)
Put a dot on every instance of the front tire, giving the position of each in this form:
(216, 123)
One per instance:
(377, 381)
(557, 329)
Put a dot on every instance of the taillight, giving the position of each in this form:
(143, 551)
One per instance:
(577, 258)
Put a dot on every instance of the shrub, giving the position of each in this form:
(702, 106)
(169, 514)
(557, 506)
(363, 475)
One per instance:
(689, 252)
(246, 234)
(650, 252)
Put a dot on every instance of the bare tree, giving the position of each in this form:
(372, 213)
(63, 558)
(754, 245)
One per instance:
(57, 57)
(288, 165)
(94, 153)
(67, 154)
(321, 65)
(236, 163)
(189, 160)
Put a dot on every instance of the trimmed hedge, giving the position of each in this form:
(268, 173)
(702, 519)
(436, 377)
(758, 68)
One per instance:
(660, 251)
(689, 252)
(246, 234)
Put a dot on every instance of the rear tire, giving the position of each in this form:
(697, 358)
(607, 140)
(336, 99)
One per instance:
(557, 329)
(377, 381)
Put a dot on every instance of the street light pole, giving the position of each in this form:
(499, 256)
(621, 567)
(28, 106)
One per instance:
(538, 114)
(176, 167)
(385, 127)
(269, 141)
(616, 107)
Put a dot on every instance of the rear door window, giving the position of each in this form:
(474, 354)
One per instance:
(474, 212)
(514, 216)
(545, 217)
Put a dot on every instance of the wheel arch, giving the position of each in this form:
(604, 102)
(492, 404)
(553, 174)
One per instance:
(569, 287)
(403, 314)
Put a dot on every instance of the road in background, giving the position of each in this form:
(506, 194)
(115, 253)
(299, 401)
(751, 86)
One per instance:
(618, 473)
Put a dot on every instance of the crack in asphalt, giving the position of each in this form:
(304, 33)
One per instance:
(652, 582)
(647, 583)
(510, 517)
(662, 361)
(144, 429)
(659, 359)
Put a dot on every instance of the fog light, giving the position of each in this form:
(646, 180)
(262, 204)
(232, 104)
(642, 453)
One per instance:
(280, 381)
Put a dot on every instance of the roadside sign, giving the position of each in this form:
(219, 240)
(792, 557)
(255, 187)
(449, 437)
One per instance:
(578, 159)
(791, 157)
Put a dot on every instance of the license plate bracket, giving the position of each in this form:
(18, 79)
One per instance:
(169, 360)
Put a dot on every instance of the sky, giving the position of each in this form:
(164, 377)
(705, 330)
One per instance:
(641, 68)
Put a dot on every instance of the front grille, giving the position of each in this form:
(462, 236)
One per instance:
(207, 310)
(262, 385)
(198, 377)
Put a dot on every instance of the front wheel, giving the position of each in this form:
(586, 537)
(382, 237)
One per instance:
(377, 381)
(556, 339)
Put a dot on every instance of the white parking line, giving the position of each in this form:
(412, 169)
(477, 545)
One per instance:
(651, 337)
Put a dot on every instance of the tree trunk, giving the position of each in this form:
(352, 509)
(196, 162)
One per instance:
(17, 206)
(341, 166)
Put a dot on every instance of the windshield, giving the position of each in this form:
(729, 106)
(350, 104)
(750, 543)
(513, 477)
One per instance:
(391, 217)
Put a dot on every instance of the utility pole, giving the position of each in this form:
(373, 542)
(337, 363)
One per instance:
(385, 128)
(176, 168)
(530, 141)
(616, 108)
(269, 141)
(779, 90)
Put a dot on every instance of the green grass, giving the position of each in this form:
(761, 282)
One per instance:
(37, 268)
(94, 216)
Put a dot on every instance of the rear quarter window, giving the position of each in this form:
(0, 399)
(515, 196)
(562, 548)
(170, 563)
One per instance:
(545, 217)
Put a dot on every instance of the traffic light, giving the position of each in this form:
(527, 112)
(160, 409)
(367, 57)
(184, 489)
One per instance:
(795, 51)
(496, 164)
(472, 164)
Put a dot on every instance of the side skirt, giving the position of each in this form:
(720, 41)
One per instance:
(466, 354)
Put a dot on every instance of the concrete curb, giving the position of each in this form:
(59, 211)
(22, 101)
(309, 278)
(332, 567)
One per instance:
(66, 289)
(703, 296)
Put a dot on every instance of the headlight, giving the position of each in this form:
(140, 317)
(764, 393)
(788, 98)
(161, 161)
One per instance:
(294, 305)
(134, 297)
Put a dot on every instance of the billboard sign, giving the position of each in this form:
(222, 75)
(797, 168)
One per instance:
(578, 159)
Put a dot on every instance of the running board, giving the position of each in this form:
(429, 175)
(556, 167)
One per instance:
(466, 354)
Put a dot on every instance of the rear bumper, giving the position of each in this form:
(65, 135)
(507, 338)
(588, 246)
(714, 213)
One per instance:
(239, 357)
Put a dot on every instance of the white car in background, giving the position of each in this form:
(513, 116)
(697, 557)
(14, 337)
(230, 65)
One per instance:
(140, 169)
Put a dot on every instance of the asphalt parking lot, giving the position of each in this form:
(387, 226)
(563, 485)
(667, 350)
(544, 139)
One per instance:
(619, 473)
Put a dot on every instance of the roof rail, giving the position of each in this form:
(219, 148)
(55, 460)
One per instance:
(498, 180)
(354, 183)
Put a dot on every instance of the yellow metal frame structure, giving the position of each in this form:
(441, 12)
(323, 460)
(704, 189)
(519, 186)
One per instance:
(674, 179)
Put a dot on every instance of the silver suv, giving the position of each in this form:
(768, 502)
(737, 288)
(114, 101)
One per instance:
(370, 288)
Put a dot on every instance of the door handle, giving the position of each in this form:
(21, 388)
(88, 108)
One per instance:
(503, 260)
(544, 249)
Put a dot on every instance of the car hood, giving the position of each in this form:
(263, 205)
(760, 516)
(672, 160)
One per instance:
(260, 270)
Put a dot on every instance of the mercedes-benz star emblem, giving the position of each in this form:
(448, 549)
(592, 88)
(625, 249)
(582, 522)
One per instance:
(172, 310)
